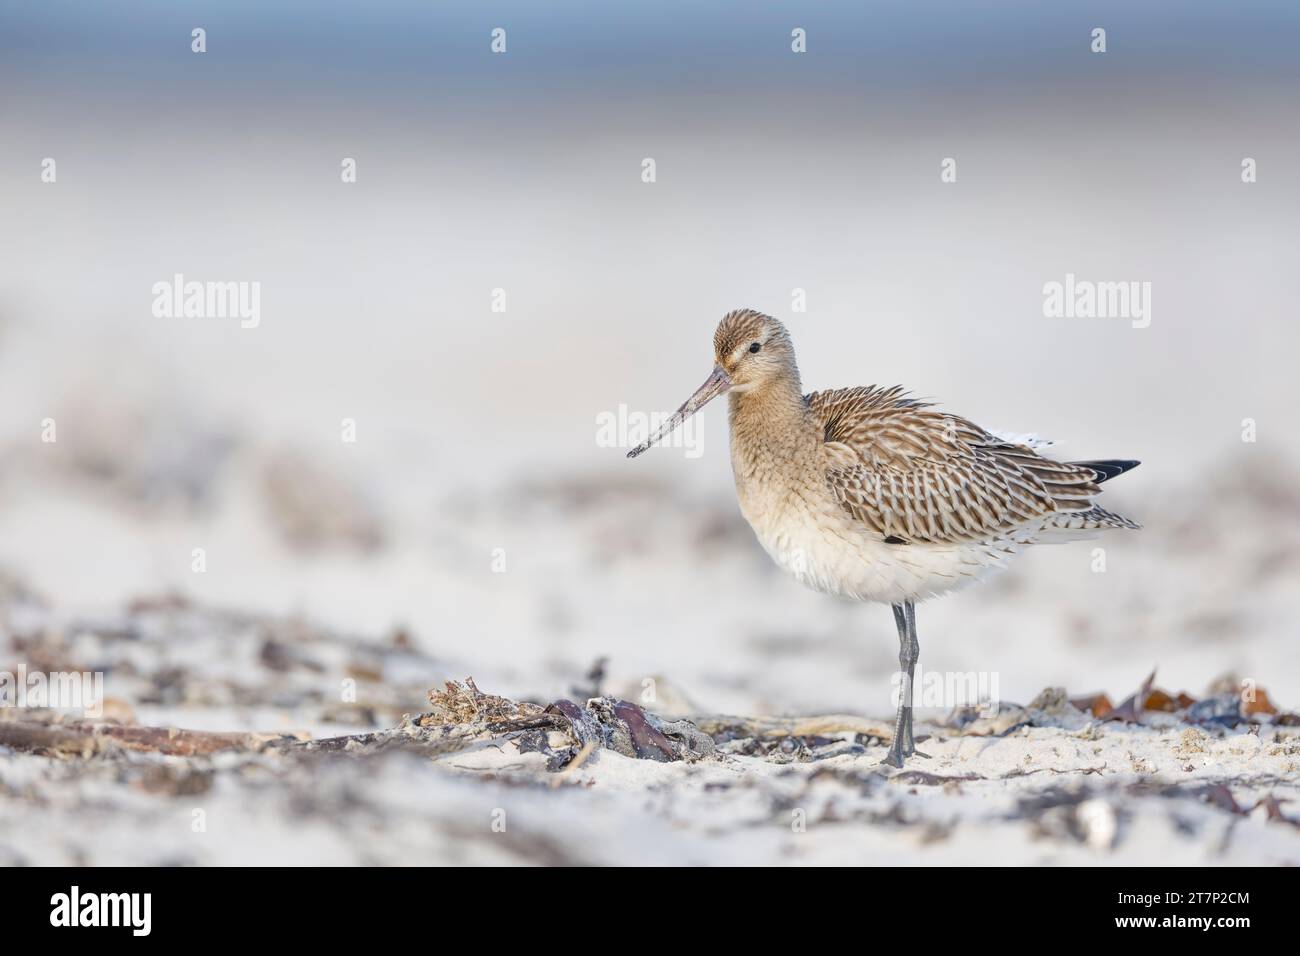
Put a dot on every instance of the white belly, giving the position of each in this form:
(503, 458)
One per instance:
(817, 545)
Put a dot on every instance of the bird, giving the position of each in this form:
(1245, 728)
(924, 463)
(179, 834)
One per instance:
(879, 497)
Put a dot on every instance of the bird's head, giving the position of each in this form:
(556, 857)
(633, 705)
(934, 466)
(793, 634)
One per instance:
(750, 350)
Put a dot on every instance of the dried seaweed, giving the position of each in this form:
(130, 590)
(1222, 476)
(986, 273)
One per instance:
(464, 703)
(1130, 710)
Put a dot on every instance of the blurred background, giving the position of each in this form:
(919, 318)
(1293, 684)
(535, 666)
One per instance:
(476, 521)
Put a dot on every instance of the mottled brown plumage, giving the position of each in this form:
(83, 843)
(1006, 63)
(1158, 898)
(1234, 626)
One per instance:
(908, 471)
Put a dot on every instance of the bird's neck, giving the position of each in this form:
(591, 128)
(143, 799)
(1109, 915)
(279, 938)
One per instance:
(771, 423)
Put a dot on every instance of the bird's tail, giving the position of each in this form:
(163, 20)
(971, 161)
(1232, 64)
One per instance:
(1074, 525)
(1094, 519)
(1108, 468)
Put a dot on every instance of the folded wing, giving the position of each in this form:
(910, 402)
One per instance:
(914, 474)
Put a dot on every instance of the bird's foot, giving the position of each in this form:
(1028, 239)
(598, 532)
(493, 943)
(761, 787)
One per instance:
(903, 745)
(897, 756)
(909, 742)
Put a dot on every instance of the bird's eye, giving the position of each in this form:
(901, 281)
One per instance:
(755, 347)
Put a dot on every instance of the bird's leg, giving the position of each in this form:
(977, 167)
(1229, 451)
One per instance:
(900, 746)
(909, 651)
(914, 655)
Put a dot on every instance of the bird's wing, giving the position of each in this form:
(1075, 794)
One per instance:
(911, 473)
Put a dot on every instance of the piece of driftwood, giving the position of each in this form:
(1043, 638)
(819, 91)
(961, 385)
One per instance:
(424, 743)
(88, 739)
(722, 725)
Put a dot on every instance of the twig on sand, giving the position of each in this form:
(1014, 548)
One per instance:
(720, 725)
(578, 760)
(88, 739)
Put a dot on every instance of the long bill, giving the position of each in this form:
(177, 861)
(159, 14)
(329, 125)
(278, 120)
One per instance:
(717, 383)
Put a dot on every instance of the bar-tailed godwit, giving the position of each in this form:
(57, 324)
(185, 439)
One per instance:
(872, 495)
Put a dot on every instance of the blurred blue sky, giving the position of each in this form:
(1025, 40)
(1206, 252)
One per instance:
(417, 48)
